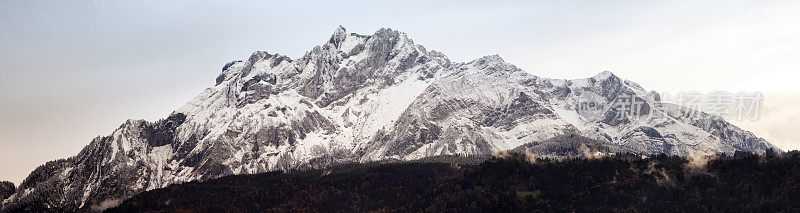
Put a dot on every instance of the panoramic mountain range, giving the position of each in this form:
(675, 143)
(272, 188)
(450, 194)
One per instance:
(363, 98)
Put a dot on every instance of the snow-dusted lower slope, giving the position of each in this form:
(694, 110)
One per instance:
(479, 107)
(366, 98)
(651, 126)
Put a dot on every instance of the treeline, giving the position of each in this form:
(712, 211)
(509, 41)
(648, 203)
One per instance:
(508, 183)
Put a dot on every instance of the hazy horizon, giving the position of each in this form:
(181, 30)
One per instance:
(73, 71)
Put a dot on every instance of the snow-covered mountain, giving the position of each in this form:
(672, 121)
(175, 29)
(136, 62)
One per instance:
(367, 98)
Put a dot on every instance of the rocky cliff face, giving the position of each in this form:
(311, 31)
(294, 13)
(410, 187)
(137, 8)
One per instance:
(368, 98)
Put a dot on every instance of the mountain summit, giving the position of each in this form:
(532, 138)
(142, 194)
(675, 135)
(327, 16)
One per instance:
(360, 98)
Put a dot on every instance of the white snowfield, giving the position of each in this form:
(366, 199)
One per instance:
(365, 98)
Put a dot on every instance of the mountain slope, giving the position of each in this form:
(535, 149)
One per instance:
(363, 98)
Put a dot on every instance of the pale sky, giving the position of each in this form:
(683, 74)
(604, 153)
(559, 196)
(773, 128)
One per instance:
(74, 70)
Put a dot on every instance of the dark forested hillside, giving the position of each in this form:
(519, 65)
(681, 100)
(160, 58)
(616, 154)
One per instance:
(6, 189)
(510, 182)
